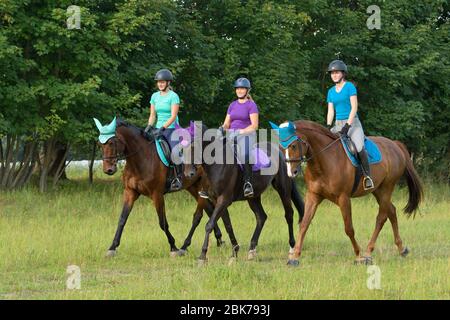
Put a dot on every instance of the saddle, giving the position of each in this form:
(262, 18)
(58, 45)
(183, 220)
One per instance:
(373, 152)
(164, 153)
(262, 160)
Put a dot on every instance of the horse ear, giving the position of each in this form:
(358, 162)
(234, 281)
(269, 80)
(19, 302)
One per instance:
(274, 126)
(98, 124)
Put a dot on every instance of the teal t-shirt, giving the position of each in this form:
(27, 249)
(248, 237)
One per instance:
(341, 100)
(163, 107)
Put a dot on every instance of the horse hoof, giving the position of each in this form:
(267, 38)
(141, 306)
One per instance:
(201, 262)
(231, 261)
(174, 254)
(251, 254)
(110, 253)
(293, 263)
(364, 261)
(405, 252)
(181, 253)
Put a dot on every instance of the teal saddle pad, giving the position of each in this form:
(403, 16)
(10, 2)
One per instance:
(372, 149)
(160, 150)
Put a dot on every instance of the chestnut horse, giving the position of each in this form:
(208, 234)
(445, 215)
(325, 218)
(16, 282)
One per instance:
(330, 175)
(145, 174)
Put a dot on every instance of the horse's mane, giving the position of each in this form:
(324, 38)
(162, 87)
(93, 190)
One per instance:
(120, 122)
(315, 127)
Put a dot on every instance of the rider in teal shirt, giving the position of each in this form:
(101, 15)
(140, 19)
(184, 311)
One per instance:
(164, 106)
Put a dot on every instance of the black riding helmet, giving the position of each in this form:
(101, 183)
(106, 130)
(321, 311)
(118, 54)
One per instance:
(164, 75)
(337, 65)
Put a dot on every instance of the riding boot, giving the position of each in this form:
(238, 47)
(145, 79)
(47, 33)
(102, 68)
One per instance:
(176, 182)
(367, 182)
(248, 188)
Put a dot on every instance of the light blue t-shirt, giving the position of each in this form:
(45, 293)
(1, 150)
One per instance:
(163, 107)
(341, 100)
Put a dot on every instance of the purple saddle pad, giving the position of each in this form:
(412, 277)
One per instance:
(262, 160)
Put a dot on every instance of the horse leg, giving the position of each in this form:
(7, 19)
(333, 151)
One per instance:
(221, 205)
(312, 200)
(392, 215)
(198, 214)
(195, 222)
(384, 203)
(345, 205)
(209, 207)
(229, 228)
(261, 217)
(129, 197)
(285, 197)
(158, 200)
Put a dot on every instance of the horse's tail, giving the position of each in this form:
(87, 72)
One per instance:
(412, 179)
(298, 201)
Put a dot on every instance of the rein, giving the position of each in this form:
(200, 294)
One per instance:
(118, 156)
(302, 159)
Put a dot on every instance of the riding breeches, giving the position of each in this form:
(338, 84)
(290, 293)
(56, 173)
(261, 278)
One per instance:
(245, 143)
(356, 132)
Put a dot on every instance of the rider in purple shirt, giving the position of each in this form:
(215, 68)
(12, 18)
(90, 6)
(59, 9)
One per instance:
(242, 119)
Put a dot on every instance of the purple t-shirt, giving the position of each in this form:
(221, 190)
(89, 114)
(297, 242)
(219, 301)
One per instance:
(240, 113)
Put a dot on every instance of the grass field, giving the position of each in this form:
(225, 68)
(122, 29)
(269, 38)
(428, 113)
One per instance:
(41, 235)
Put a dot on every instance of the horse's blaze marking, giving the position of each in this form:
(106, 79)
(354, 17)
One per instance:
(288, 165)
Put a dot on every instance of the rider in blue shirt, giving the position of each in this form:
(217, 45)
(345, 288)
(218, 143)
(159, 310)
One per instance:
(343, 101)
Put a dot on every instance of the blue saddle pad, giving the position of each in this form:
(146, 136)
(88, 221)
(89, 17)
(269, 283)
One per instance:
(372, 149)
(159, 150)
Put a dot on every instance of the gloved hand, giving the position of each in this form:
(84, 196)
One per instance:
(159, 131)
(148, 128)
(221, 131)
(344, 130)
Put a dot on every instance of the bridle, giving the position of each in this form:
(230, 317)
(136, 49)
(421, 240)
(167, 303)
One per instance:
(304, 159)
(118, 156)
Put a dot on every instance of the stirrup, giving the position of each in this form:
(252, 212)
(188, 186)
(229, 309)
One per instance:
(203, 194)
(368, 179)
(248, 189)
(176, 184)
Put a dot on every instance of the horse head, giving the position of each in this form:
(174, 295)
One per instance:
(293, 147)
(111, 145)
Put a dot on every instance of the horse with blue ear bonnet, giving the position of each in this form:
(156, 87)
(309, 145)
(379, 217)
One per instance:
(144, 174)
(330, 175)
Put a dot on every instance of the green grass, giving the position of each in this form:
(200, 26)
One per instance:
(40, 235)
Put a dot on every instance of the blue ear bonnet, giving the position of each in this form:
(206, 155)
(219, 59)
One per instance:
(286, 133)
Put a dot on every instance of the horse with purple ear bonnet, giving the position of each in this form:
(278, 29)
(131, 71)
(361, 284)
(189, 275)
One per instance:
(226, 181)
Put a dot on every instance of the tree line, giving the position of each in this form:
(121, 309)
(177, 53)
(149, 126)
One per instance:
(54, 78)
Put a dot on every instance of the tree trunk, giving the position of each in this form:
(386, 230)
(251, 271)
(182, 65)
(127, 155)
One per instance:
(91, 163)
(46, 163)
(60, 156)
